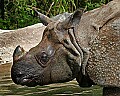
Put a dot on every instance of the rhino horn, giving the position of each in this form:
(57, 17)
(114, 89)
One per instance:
(73, 19)
(44, 19)
(18, 53)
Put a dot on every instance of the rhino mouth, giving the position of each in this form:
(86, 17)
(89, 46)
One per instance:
(30, 80)
(27, 80)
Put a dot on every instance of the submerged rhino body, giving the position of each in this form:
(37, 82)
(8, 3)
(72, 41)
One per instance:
(86, 48)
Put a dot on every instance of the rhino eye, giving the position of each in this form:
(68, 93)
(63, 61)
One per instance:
(42, 58)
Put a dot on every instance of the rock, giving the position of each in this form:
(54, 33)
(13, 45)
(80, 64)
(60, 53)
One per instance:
(27, 37)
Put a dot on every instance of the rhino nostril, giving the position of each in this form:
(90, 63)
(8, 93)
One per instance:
(20, 74)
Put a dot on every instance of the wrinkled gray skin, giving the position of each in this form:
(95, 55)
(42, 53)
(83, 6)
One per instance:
(88, 51)
(55, 54)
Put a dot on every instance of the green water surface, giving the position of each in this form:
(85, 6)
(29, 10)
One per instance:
(8, 88)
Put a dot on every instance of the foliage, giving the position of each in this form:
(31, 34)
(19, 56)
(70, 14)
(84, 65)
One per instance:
(18, 13)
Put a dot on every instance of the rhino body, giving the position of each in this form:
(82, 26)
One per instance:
(86, 48)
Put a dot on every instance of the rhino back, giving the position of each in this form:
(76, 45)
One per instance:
(104, 63)
(99, 31)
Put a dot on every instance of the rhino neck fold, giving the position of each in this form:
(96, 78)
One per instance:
(83, 53)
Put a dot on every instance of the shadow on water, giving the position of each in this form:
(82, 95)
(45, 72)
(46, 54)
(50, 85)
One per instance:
(8, 88)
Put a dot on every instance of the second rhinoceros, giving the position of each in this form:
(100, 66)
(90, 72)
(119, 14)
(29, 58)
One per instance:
(86, 48)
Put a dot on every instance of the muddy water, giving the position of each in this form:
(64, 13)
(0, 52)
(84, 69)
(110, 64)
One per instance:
(8, 88)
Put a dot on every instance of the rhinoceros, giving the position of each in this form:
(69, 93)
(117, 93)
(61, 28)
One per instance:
(85, 46)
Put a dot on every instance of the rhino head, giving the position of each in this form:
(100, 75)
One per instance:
(54, 59)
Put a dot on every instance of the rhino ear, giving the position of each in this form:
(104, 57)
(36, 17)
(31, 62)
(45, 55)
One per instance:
(73, 19)
(44, 19)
